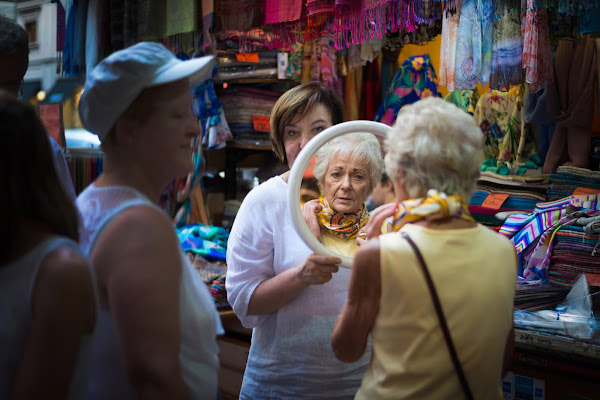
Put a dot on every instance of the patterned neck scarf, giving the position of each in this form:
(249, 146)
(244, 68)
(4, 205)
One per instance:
(432, 207)
(344, 225)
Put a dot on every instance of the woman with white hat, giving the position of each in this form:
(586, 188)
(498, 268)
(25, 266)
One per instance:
(157, 325)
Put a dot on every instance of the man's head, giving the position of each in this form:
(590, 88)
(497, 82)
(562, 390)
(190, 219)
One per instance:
(14, 55)
(383, 192)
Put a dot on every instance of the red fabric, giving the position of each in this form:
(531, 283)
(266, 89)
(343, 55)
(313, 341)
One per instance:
(371, 91)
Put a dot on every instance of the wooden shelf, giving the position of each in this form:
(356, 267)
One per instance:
(250, 144)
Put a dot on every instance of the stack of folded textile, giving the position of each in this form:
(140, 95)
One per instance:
(233, 47)
(531, 298)
(241, 103)
(524, 192)
(575, 252)
(573, 223)
(567, 179)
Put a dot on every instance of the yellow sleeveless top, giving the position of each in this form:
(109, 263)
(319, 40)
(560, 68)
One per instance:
(474, 271)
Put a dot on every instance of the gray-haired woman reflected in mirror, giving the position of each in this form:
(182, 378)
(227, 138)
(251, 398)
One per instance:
(347, 168)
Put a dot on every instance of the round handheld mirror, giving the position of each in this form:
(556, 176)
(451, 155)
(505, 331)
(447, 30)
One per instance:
(297, 171)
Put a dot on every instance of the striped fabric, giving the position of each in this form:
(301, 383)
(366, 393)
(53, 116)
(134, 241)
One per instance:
(539, 229)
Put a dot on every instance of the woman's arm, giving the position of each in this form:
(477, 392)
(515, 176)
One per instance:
(63, 309)
(272, 294)
(352, 327)
(138, 267)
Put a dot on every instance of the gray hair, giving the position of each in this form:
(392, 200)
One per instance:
(359, 146)
(437, 146)
(13, 37)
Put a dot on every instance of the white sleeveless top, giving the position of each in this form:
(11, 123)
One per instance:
(199, 320)
(16, 284)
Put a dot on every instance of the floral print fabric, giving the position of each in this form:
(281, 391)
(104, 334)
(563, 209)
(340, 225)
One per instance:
(507, 138)
(414, 80)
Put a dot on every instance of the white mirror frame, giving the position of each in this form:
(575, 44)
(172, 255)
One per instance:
(297, 172)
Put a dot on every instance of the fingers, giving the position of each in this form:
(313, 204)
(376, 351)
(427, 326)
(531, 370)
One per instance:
(378, 217)
(318, 269)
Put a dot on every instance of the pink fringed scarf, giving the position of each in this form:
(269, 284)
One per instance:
(358, 20)
(284, 20)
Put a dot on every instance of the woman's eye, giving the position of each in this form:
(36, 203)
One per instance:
(335, 175)
(291, 133)
(319, 129)
(359, 177)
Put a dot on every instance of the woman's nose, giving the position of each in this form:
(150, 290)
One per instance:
(304, 139)
(346, 183)
(193, 127)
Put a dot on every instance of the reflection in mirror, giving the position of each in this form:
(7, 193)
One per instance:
(346, 169)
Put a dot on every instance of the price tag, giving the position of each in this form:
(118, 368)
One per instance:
(593, 279)
(495, 200)
(261, 123)
(51, 117)
(247, 57)
(583, 191)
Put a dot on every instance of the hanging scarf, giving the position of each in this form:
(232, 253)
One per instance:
(344, 225)
(432, 207)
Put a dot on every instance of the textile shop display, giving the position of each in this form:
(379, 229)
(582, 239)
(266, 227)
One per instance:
(243, 103)
(524, 192)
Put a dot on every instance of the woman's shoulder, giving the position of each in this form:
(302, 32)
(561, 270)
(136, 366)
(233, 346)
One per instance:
(269, 193)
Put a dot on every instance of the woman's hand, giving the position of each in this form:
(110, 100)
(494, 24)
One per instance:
(318, 269)
(361, 237)
(378, 218)
(309, 213)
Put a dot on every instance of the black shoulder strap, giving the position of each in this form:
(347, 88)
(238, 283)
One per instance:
(442, 319)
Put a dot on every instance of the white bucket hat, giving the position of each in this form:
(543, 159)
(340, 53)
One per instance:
(118, 80)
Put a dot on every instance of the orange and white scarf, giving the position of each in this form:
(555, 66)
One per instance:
(434, 206)
(344, 225)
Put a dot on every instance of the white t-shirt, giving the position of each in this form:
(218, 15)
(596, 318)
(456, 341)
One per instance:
(291, 355)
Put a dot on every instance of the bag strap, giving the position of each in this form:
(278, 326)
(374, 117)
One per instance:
(442, 319)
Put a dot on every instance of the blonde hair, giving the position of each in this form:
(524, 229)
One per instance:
(296, 103)
(359, 146)
(437, 146)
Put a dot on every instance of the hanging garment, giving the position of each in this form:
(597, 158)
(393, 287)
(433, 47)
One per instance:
(371, 91)
(466, 100)
(571, 103)
(414, 80)
(357, 21)
(448, 45)
(507, 48)
(284, 19)
(474, 45)
(507, 139)
(537, 56)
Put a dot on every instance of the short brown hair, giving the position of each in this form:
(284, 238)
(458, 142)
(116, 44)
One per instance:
(296, 103)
